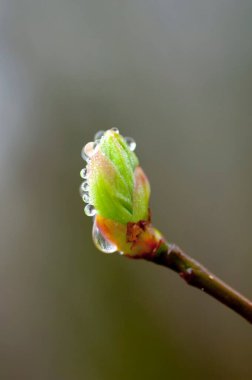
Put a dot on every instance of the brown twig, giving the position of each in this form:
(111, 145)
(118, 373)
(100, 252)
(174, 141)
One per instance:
(195, 274)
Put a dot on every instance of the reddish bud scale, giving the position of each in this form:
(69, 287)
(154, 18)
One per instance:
(134, 239)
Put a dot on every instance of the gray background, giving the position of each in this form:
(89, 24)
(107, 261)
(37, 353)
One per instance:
(176, 75)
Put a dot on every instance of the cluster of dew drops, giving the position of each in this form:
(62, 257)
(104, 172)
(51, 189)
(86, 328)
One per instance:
(86, 153)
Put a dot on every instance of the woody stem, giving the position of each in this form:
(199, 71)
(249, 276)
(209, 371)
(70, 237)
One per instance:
(195, 274)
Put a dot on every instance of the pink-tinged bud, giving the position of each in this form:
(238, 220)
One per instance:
(117, 191)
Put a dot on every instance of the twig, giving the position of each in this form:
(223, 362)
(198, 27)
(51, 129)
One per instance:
(195, 274)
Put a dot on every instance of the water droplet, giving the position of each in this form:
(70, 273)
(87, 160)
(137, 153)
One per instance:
(211, 277)
(87, 151)
(96, 143)
(101, 242)
(84, 186)
(189, 271)
(131, 143)
(99, 135)
(116, 130)
(90, 210)
(85, 198)
(83, 155)
(83, 173)
(81, 191)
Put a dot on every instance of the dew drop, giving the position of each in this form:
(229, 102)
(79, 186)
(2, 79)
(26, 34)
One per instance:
(84, 186)
(131, 143)
(99, 135)
(83, 173)
(101, 242)
(81, 191)
(189, 271)
(85, 198)
(87, 151)
(83, 155)
(90, 210)
(116, 130)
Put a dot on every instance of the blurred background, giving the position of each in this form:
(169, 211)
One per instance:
(175, 75)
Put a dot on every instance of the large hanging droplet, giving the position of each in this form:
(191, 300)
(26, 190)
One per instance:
(90, 210)
(101, 242)
(131, 143)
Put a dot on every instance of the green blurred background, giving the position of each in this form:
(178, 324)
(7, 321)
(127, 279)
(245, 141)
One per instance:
(175, 75)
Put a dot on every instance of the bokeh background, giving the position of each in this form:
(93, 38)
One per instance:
(176, 75)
